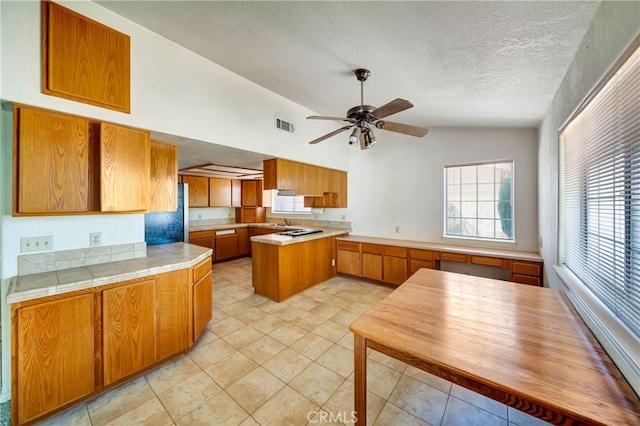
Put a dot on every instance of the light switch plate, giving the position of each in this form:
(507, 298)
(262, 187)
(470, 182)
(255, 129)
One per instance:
(95, 239)
(32, 244)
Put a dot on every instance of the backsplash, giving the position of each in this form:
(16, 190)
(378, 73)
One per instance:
(65, 259)
(339, 224)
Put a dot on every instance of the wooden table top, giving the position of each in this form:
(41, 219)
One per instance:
(525, 341)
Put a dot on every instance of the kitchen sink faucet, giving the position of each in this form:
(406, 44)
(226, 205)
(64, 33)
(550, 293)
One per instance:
(286, 221)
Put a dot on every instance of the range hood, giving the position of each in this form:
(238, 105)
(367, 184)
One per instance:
(286, 193)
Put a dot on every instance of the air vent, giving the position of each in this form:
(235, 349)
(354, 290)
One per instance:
(284, 125)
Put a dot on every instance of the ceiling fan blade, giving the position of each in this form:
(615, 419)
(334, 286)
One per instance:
(402, 128)
(392, 107)
(321, 117)
(328, 135)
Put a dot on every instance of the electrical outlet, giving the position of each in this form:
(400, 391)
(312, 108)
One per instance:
(397, 229)
(343, 217)
(95, 239)
(333, 262)
(31, 244)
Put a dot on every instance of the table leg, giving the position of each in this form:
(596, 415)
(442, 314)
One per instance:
(360, 386)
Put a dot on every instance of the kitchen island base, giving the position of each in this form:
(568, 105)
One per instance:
(281, 271)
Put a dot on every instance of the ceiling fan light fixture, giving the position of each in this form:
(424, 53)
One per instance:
(370, 138)
(355, 136)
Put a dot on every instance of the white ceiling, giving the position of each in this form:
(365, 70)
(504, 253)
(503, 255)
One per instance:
(461, 63)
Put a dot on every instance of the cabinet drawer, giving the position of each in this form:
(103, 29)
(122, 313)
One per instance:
(421, 254)
(395, 251)
(525, 268)
(348, 245)
(415, 264)
(488, 261)
(371, 248)
(194, 235)
(201, 269)
(454, 257)
(525, 279)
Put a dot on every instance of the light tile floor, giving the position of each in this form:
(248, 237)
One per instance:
(289, 363)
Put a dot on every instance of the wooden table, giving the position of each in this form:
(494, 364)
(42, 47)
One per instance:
(521, 345)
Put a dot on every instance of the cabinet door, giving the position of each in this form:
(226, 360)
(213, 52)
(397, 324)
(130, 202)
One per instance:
(202, 305)
(198, 190)
(164, 177)
(244, 244)
(236, 193)
(395, 269)
(349, 262)
(84, 60)
(52, 155)
(226, 246)
(219, 192)
(125, 168)
(129, 329)
(172, 291)
(251, 193)
(372, 266)
(55, 355)
(415, 264)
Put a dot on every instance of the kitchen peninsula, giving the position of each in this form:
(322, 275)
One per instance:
(78, 332)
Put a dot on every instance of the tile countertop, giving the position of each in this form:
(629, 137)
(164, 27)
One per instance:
(160, 258)
(282, 240)
(510, 254)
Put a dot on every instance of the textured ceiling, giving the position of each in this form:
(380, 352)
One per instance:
(461, 63)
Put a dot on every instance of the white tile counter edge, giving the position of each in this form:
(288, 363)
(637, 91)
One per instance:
(160, 258)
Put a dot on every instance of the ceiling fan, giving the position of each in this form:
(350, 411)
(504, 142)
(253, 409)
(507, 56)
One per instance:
(363, 118)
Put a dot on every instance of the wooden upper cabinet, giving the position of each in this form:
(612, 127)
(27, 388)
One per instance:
(219, 192)
(48, 335)
(328, 185)
(251, 193)
(164, 177)
(129, 327)
(51, 152)
(84, 60)
(198, 190)
(125, 168)
(236, 193)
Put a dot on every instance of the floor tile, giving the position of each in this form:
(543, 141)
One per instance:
(242, 337)
(287, 364)
(250, 315)
(286, 408)
(219, 410)
(317, 383)
(112, 404)
(311, 345)
(381, 379)
(344, 317)
(263, 349)
(419, 399)
(461, 413)
(255, 389)
(342, 401)
(325, 310)
(230, 369)
(172, 373)
(308, 321)
(207, 355)
(289, 313)
(288, 333)
(479, 401)
(186, 396)
(226, 326)
(337, 359)
(388, 361)
(207, 337)
(150, 412)
(394, 416)
(268, 323)
(331, 330)
(428, 378)
(78, 416)
(519, 418)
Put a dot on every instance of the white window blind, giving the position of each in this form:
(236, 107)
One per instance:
(288, 204)
(600, 194)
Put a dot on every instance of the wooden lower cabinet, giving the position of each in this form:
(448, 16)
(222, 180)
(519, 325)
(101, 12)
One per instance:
(372, 266)
(66, 348)
(129, 327)
(395, 270)
(54, 355)
(348, 254)
(226, 246)
(244, 244)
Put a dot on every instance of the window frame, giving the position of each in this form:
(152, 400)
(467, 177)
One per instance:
(477, 238)
(274, 195)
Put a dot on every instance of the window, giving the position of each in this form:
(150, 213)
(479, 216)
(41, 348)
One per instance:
(288, 204)
(600, 195)
(479, 200)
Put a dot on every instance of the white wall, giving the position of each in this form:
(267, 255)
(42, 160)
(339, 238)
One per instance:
(399, 182)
